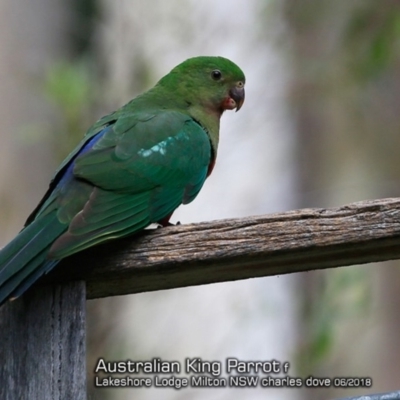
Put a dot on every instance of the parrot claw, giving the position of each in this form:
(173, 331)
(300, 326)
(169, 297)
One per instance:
(158, 225)
(171, 224)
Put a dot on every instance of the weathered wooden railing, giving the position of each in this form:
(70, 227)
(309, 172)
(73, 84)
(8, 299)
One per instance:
(42, 347)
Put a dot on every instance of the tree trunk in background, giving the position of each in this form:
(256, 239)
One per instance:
(32, 35)
(344, 101)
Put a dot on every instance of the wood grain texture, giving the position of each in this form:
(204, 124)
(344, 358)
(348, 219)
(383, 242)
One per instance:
(43, 342)
(235, 249)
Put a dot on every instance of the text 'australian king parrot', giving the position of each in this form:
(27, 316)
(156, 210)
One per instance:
(133, 167)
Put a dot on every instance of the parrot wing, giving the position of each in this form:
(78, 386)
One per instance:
(141, 169)
(99, 126)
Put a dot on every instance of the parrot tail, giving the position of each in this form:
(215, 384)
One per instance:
(24, 260)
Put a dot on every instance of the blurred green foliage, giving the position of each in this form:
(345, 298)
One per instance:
(372, 39)
(345, 296)
(72, 89)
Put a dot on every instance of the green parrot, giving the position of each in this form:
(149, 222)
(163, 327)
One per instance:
(133, 167)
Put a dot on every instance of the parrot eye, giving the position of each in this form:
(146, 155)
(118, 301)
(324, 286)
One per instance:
(216, 74)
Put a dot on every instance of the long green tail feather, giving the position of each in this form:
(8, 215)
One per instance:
(25, 256)
(33, 277)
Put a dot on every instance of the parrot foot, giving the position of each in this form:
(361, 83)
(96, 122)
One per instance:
(158, 225)
(165, 221)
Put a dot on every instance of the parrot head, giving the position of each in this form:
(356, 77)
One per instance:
(214, 83)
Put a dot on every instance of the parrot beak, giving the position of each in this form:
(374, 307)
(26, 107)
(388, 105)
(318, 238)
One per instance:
(237, 94)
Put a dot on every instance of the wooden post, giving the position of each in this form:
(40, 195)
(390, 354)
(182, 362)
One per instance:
(42, 346)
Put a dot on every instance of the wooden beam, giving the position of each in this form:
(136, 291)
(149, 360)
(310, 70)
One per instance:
(42, 344)
(235, 249)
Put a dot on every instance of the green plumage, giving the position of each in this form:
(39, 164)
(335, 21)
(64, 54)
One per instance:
(133, 167)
